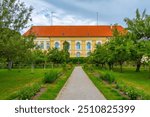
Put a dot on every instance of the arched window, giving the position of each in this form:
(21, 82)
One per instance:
(78, 54)
(78, 46)
(88, 46)
(99, 43)
(88, 54)
(56, 45)
(42, 45)
(47, 45)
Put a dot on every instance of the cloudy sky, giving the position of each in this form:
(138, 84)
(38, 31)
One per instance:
(84, 12)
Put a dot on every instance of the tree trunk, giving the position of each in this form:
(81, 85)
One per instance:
(102, 65)
(121, 67)
(45, 65)
(110, 66)
(10, 64)
(32, 68)
(52, 65)
(138, 67)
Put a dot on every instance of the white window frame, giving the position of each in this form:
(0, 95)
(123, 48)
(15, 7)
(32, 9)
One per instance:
(69, 44)
(55, 43)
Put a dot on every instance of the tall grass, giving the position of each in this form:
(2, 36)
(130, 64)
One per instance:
(51, 76)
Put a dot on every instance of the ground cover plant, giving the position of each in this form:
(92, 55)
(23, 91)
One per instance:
(53, 89)
(16, 80)
(130, 84)
(106, 89)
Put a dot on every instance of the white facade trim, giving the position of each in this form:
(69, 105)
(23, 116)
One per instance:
(70, 44)
(57, 42)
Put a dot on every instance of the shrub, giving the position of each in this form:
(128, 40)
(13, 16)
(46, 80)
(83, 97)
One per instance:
(28, 92)
(85, 65)
(132, 93)
(64, 66)
(121, 86)
(108, 76)
(78, 60)
(51, 76)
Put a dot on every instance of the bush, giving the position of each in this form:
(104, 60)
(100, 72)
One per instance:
(108, 76)
(78, 60)
(51, 76)
(132, 93)
(28, 92)
(64, 66)
(121, 86)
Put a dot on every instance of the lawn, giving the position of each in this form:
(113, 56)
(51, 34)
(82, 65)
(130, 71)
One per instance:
(106, 90)
(138, 80)
(54, 88)
(14, 80)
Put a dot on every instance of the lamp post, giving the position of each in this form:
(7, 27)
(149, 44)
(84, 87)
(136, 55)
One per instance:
(97, 17)
(52, 17)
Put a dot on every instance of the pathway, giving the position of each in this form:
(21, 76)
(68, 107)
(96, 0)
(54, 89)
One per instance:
(79, 87)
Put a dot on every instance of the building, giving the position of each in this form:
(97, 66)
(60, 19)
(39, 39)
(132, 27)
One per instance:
(82, 39)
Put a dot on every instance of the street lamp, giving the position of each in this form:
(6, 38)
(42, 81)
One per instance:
(52, 17)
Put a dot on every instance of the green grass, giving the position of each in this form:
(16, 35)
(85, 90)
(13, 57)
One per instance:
(54, 88)
(106, 89)
(139, 80)
(15, 80)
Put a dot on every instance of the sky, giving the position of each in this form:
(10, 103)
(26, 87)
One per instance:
(84, 12)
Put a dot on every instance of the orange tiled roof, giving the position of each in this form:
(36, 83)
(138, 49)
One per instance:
(73, 31)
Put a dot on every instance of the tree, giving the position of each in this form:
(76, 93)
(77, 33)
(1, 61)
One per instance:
(100, 55)
(138, 28)
(65, 50)
(14, 17)
(122, 47)
(56, 56)
(66, 46)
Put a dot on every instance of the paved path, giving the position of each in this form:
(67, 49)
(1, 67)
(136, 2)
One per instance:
(79, 87)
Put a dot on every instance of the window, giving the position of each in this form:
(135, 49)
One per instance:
(78, 46)
(99, 43)
(88, 46)
(57, 45)
(42, 45)
(36, 45)
(69, 46)
(47, 45)
(88, 54)
(78, 54)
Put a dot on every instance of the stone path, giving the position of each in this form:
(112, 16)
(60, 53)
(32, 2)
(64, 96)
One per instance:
(79, 87)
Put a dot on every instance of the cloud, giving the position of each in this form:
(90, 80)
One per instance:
(83, 12)
(42, 15)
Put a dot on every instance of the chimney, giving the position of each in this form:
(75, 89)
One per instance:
(111, 26)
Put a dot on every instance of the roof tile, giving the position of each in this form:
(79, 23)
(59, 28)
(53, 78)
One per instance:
(72, 31)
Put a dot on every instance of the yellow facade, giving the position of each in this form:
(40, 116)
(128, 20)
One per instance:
(79, 46)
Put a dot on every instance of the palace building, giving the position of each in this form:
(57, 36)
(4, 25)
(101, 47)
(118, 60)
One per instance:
(82, 39)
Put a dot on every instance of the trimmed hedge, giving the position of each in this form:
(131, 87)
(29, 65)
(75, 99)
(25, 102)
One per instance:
(78, 60)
